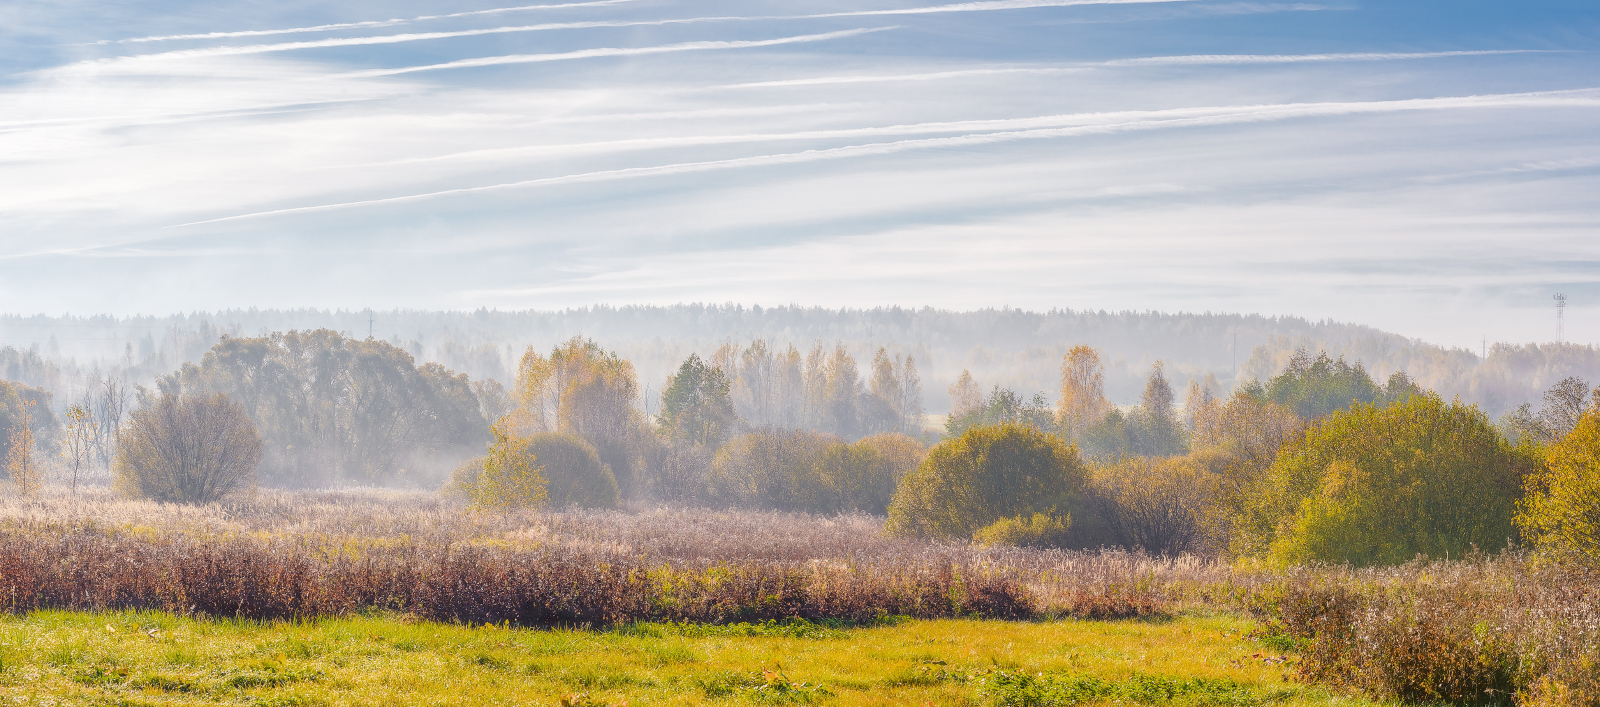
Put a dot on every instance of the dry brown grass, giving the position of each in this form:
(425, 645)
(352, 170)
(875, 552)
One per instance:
(335, 552)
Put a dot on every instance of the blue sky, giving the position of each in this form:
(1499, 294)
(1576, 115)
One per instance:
(1430, 168)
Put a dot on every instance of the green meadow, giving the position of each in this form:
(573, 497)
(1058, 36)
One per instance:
(150, 658)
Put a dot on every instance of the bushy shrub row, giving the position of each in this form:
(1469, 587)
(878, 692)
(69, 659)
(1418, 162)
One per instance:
(266, 580)
(1481, 631)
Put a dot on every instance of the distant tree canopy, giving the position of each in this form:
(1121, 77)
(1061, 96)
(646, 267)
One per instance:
(822, 391)
(986, 475)
(1563, 404)
(1000, 407)
(1314, 386)
(195, 449)
(1152, 429)
(695, 406)
(1381, 484)
(334, 409)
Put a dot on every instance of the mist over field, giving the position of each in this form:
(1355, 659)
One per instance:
(1014, 349)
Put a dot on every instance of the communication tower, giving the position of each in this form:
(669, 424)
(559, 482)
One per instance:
(1561, 313)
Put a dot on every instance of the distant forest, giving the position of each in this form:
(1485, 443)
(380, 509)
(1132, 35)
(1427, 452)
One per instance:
(1013, 349)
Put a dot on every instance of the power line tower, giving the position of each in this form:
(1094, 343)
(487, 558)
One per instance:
(370, 321)
(1561, 313)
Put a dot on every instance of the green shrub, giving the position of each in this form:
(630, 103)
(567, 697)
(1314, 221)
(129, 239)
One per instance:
(1380, 485)
(573, 471)
(1038, 530)
(463, 478)
(568, 466)
(988, 473)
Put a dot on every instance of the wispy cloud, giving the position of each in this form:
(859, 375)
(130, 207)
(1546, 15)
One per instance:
(355, 25)
(616, 51)
(1571, 164)
(1218, 116)
(1223, 59)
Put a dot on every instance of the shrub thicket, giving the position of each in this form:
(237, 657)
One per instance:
(1158, 505)
(985, 475)
(1380, 485)
(792, 470)
(771, 469)
(187, 450)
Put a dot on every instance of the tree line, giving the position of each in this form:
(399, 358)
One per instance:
(1318, 463)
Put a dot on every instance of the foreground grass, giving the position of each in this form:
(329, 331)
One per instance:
(146, 658)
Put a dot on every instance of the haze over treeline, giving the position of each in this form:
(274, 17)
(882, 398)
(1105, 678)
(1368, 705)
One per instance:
(1011, 348)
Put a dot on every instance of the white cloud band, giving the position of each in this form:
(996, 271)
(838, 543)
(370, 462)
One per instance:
(1174, 119)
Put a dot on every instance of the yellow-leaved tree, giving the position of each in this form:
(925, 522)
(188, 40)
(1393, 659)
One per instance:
(1561, 512)
(26, 474)
(511, 477)
(1382, 484)
(1083, 391)
(582, 389)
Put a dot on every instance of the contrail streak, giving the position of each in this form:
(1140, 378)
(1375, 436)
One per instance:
(1196, 59)
(613, 51)
(996, 124)
(932, 76)
(981, 7)
(1231, 116)
(354, 25)
(595, 24)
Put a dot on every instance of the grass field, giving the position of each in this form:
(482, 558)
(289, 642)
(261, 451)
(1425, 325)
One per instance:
(135, 658)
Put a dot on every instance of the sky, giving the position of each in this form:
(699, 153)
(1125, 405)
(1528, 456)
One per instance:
(1427, 167)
